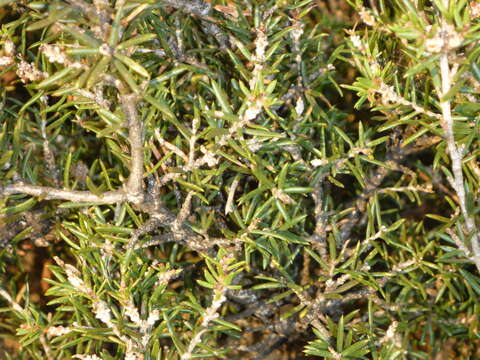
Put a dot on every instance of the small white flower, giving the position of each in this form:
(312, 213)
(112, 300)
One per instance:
(9, 48)
(57, 331)
(367, 17)
(133, 314)
(297, 32)
(210, 159)
(318, 162)
(355, 39)
(54, 53)
(102, 312)
(6, 60)
(105, 50)
(86, 357)
(434, 45)
(153, 317)
(254, 145)
(261, 44)
(300, 106)
(444, 40)
(474, 9)
(329, 283)
(252, 111)
(29, 72)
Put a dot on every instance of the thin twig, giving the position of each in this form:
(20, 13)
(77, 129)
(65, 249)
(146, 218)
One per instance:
(456, 156)
(135, 182)
(50, 193)
(201, 10)
(394, 157)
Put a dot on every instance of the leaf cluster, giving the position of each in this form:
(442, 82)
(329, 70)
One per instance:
(285, 219)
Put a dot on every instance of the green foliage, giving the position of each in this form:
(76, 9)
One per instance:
(192, 180)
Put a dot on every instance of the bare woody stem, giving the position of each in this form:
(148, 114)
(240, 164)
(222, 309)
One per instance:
(456, 155)
(50, 193)
(134, 183)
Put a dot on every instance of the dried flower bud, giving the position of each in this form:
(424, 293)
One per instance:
(54, 53)
(28, 72)
(474, 9)
(9, 48)
(300, 106)
(57, 331)
(367, 17)
(102, 312)
(86, 357)
(357, 43)
(280, 195)
(434, 45)
(6, 61)
(445, 40)
(105, 50)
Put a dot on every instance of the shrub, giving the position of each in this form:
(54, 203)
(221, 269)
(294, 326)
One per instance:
(183, 179)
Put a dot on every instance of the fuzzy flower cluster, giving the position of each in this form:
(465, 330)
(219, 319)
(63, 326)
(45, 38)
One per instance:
(367, 17)
(102, 312)
(86, 357)
(56, 54)
(445, 40)
(55, 331)
(73, 276)
(28, 72)
(145, 326)
(9, 54)
(474, 9)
